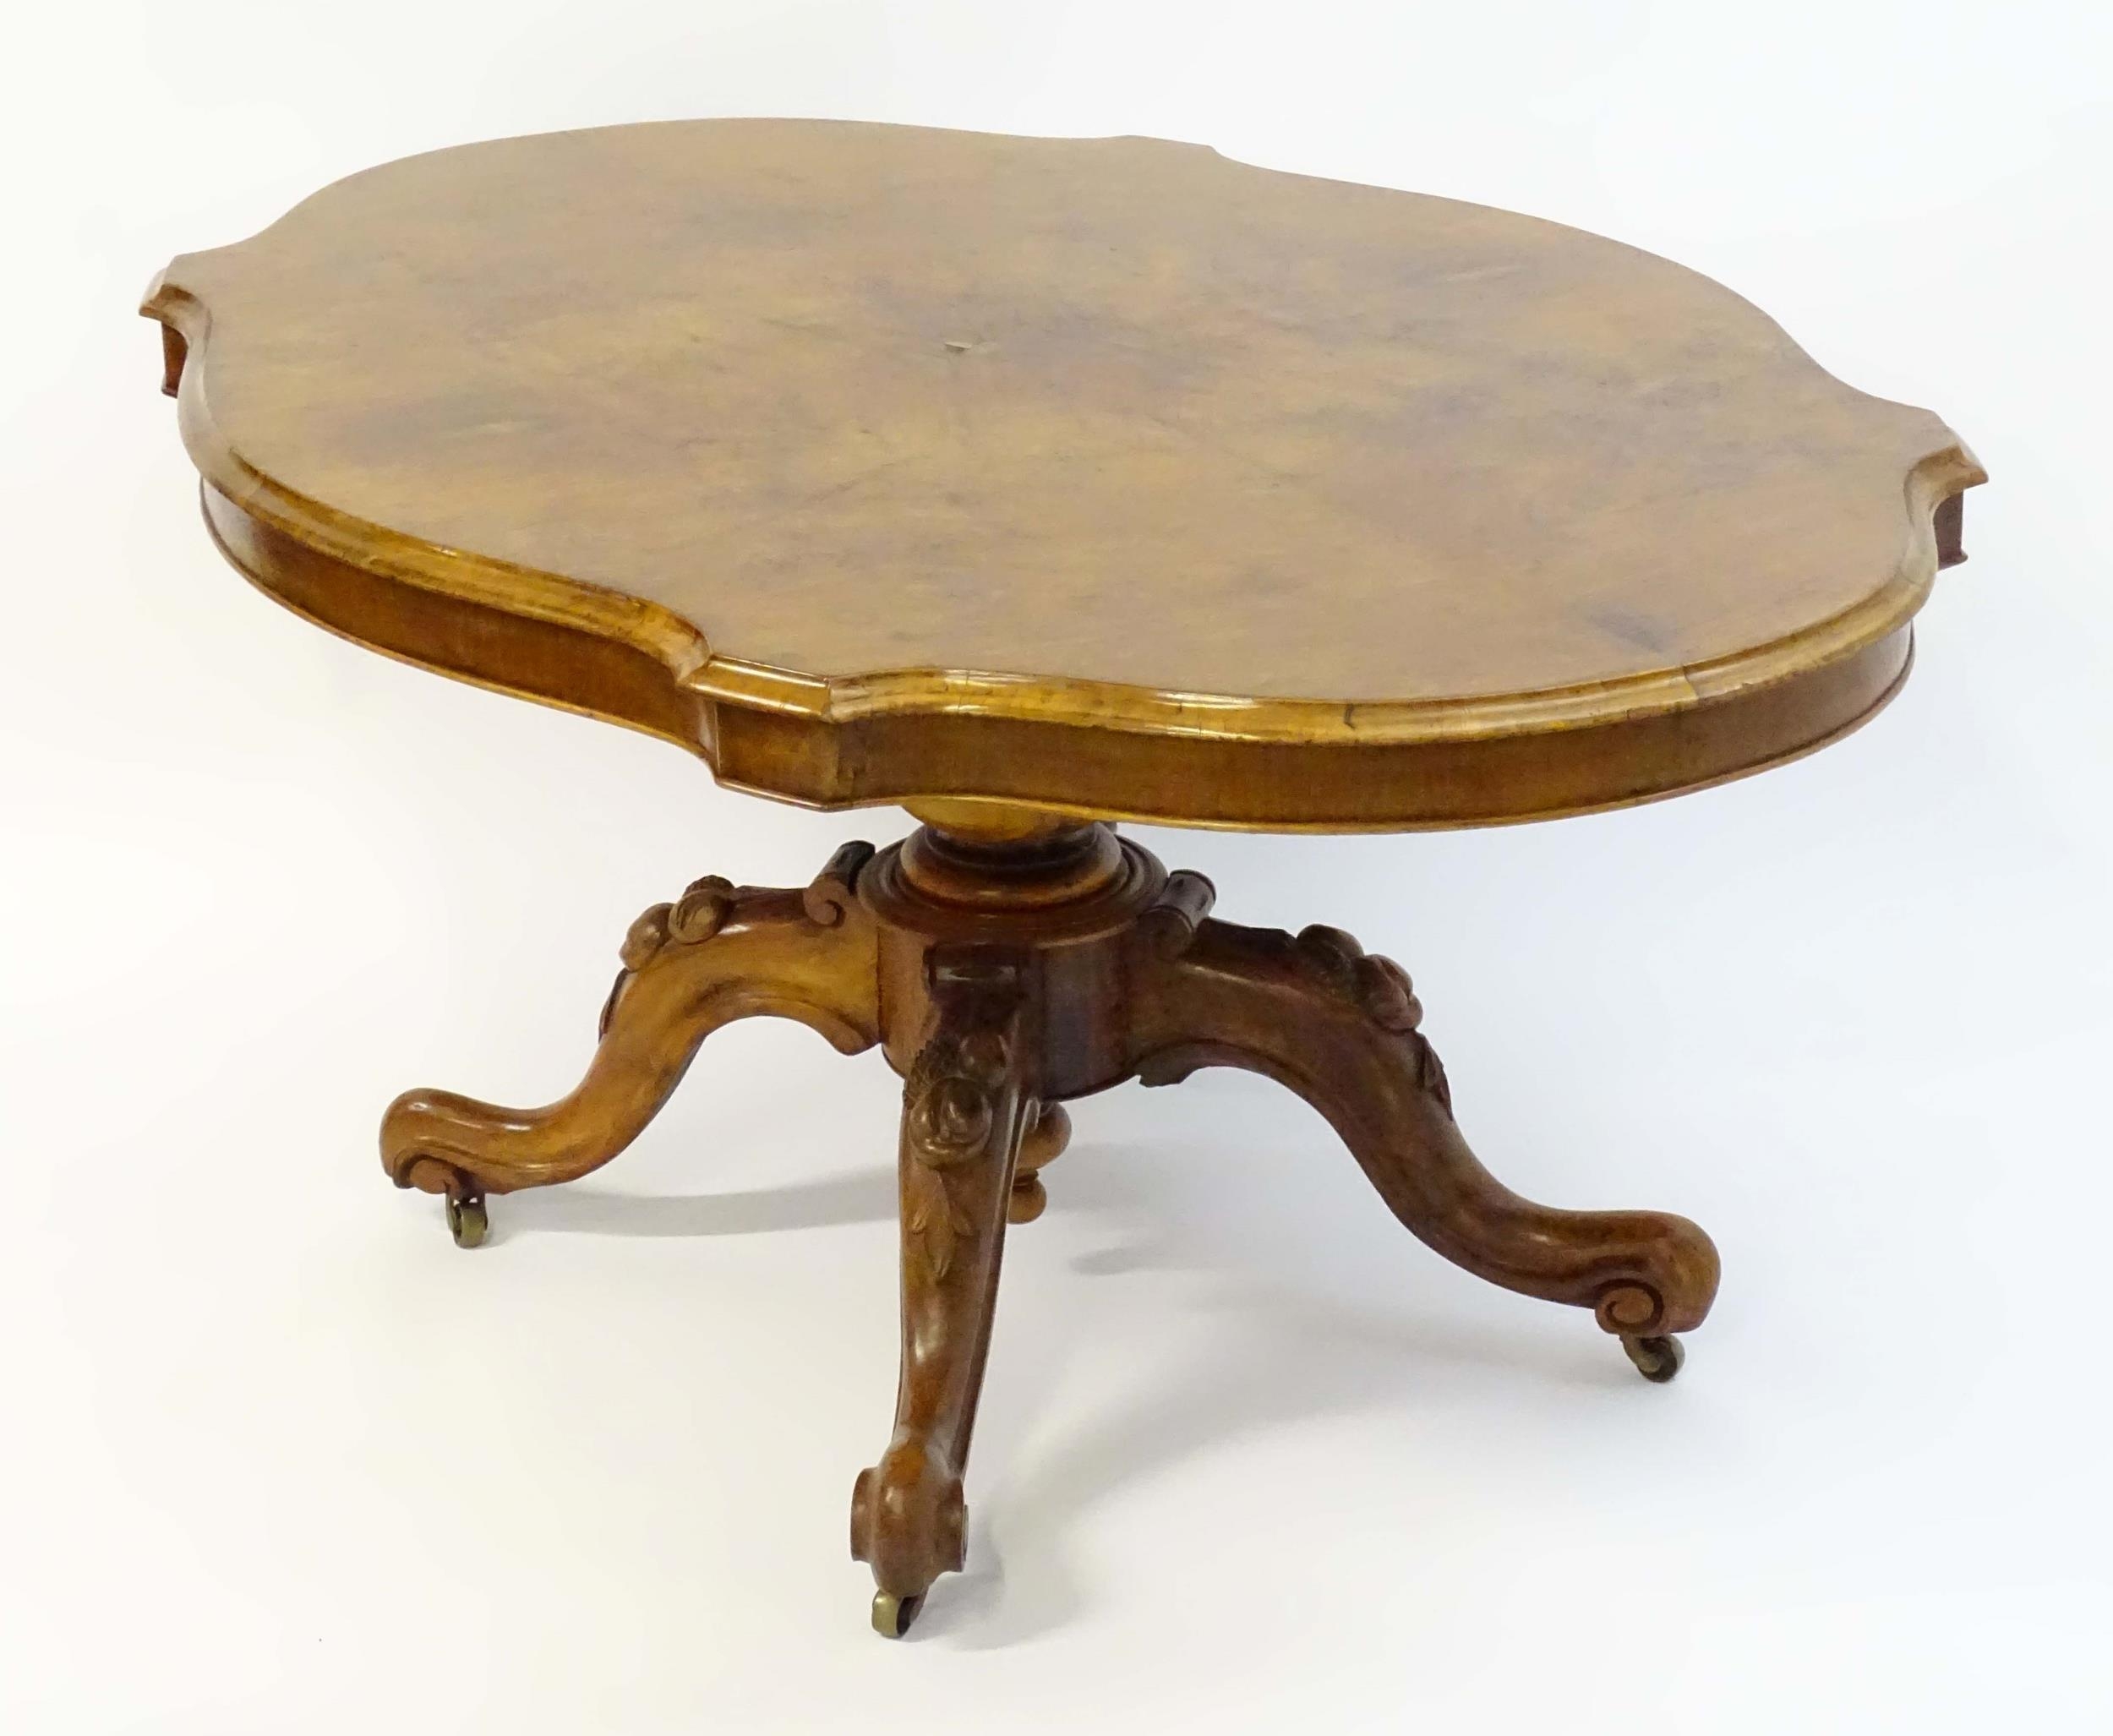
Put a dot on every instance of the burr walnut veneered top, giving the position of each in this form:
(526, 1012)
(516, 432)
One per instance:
(1109, 476)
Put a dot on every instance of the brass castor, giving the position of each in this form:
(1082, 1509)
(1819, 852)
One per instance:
(1657, 1359)
(892, 1615)
(466, 1219)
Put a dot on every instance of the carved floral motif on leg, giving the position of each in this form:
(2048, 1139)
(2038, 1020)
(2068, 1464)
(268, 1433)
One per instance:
(1341, 1027)
(717, 953)
(966, 1105)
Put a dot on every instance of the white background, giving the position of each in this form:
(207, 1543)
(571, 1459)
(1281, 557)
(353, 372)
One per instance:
(274, 1457)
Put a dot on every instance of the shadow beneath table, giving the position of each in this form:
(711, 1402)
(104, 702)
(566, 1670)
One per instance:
(854, 1196)
(1272, 1354)
(1281, 1362)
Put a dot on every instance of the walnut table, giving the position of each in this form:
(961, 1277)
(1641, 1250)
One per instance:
(1034, 485)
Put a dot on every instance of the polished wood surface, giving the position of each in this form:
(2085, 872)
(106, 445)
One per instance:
(1033, 483)
(1107, 477)
(1001, 981)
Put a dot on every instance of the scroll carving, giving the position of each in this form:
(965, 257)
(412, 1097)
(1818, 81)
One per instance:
(1381, 990)
(690, 920)
(1324, 961)
(830, 897)
(1171, 921)
(706, 904)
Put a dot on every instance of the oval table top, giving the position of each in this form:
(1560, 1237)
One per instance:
(881, 463)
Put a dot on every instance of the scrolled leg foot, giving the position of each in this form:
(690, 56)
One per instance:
(1044, 1142)
(910, 1518)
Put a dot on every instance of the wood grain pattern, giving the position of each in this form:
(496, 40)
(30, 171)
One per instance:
(1103, 477)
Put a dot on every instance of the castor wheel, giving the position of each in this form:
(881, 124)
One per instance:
(1657, 1359)
(467, 1221)
(892, 1615)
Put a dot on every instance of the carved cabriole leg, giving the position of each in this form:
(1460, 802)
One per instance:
(1340, 1029)
(967, 1103)
(718, 953)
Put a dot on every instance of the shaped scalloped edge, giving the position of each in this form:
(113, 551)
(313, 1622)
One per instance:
(1931, 524)
(673, 686)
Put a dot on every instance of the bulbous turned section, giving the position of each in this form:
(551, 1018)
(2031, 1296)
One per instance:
(1342, 1027)
(717, 953)
(1060, 865)
(979, 820)
(1044, 1142)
